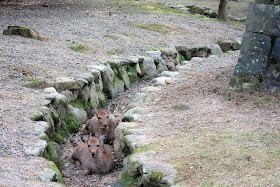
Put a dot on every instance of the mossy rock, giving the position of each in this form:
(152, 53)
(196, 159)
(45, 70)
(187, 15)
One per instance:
(58, 173)
(22, 31)
(51, 155)
(79, 47)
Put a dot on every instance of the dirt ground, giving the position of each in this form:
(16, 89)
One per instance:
(224, 138)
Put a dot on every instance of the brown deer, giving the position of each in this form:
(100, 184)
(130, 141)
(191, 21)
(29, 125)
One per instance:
(101, 124)
(94, 155)
(169, 59)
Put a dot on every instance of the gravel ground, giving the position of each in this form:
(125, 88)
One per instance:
(65, 23)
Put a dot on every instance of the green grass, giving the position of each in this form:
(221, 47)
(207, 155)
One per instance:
(146, 7)
(79, 47)
(164, 29)
(115, 52)
(34, 83)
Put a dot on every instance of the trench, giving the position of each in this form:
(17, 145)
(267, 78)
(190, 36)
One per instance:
(72, 174)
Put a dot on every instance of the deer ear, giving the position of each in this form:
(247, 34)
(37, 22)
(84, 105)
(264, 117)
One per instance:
(174, 55)
(163, 56)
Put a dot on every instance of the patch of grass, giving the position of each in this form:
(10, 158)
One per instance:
(79, 47)
(115, 52)
(111, 36)
(72, 124)
(147, 7)
(164, 29)
(129, 34)
(34, 83)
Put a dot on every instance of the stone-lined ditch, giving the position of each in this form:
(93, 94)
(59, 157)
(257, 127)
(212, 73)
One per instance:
(68, 104)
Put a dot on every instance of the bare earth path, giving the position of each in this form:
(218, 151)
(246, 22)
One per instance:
(224, 138)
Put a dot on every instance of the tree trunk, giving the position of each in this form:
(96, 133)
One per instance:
(223, 10)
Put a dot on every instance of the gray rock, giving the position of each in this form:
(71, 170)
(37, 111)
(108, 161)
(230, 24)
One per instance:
(186, 63)
(41, 127)
(161, 67)
(132, 115)
(124, 76)
(192, 51)
(87, 76)
(108, 80)
(49, 90)
(61, 105)
(138, 100)
(79, 114)
(153, 173)
(36, 116)
(169, 74)
(48, 175)
(236, 44)
(160, 81)
(119, 145)
(276, 51)
(94, 72)
(149, 67)
(136, 141)
(254, 52)
(101, 98)
(216, 50)
(37, 148)
(68, 94)
(66, 83)
(120, 85)
(263, 19)
(47, 116)
(93, 97)
(56, 148)
(156, 56)
(84, 93)
(81, 82)
(225, 45)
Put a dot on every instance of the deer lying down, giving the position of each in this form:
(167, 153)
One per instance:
(101, 124)
(94, 155)
(169, 59)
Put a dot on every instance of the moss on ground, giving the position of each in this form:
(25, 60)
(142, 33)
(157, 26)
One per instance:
(34, 83)
(79, 47)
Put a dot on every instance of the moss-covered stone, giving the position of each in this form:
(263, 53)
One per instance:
(130, 181)
(58, 173)
(57, 138)
(72, 124)
(22, 31)
(82, 104)
(156, 177)
(132, 74)
(51, 155)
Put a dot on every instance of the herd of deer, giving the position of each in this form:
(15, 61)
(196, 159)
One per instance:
(94, 153)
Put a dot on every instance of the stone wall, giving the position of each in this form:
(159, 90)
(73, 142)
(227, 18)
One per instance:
(258, 65)
(67, 104)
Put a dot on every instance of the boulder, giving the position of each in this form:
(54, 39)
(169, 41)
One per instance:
(84, 93)
(254, 52)
(156, 56)
(66, 83)
(216, 50)
(276, 51)
(79, 114)
(184, 68)
(263, 19)
(22, 31)
(48, 175)
(68, 94)
(161, 67)
(93, 97)
(108, 80)
(124, 76)
(236, 44)
(81, 82)
(149, 67)
(41, 128)
(36, 148)
(132, 115)
(160, 81)
(225, 45)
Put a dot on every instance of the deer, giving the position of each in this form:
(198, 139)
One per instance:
(94, 155)
(169, 59)
(101, 124)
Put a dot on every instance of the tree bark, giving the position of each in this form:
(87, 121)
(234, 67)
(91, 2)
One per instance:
(223, 10)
